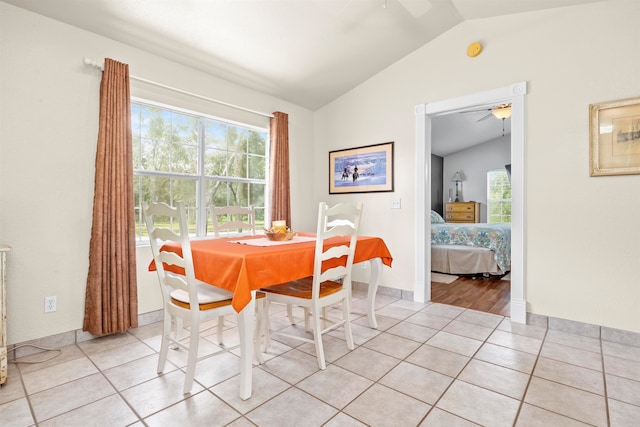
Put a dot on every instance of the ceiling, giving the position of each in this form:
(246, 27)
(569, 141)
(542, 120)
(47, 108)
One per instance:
(458, 131)
(308, 52)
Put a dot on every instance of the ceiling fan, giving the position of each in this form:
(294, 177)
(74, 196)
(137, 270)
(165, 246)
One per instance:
(502, 111)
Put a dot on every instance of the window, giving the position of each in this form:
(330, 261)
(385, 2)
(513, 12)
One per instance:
(201, 160)
(498, 197)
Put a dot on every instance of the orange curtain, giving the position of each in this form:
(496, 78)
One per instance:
(279, 168)
(111, 300)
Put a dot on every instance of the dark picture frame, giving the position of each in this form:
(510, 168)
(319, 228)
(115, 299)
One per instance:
(366, 169)
(614, 136)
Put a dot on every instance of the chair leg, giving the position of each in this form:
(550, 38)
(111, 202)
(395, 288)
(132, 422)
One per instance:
(266, 342)
(290, 314)
(317, 338)
(258, 334)
(346, 315)
(307, 316)
(166, 339)
(193, 356)
(324, 317)
(179, 332)
(306, 319)
(220, 330)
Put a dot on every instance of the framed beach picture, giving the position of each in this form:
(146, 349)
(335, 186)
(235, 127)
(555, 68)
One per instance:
(614, 131)
(361, 169)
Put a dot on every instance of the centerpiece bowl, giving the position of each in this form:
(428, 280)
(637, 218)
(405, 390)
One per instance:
(279, 236)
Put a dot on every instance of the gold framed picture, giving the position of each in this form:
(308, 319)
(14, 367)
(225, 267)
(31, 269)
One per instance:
(614, 133)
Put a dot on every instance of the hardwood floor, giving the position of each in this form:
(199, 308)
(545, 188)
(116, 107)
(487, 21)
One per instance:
(491, 295)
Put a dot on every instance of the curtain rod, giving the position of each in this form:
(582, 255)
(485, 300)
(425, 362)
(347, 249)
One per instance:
(89, 63)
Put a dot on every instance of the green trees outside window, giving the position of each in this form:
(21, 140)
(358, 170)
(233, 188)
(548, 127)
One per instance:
(197, 159)
(498, 197)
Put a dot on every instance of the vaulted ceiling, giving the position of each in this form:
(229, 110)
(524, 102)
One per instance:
(308, 52)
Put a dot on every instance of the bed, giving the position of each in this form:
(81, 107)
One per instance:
(470, 248)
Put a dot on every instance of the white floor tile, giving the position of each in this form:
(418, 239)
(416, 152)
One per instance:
(425, 365)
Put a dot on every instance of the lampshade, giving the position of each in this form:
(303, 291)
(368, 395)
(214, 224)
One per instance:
(502, 112)
(457, 177)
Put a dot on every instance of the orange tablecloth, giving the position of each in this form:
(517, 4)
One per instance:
(242, 268)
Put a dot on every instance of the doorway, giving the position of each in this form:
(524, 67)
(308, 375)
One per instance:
(514, 94)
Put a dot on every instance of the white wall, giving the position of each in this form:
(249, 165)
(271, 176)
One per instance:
(582, 233)
(48, 126)
(473, 164)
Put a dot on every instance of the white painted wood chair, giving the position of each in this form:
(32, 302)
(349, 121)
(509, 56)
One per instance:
(233, 220)
(184, 297)
(325, 288)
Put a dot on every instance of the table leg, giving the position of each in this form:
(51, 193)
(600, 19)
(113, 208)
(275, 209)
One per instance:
(245, 328)
(374, 282)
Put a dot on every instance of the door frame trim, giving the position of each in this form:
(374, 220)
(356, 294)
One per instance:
(516, 95)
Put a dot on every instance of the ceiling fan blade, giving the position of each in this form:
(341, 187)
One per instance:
(475, 111)
(485, 117)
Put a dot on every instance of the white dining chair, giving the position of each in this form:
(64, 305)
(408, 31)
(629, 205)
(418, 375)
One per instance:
(332, 221)
(324, 288)
(233, 220)
(184, 297)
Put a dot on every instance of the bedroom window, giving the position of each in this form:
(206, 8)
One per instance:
(498, 197)
(201, 160)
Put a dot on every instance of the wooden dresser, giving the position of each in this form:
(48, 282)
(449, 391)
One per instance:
(468, 212)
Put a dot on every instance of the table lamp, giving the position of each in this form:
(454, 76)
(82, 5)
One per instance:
(457, 178)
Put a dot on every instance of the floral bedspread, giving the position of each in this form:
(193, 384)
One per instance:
(492, 236)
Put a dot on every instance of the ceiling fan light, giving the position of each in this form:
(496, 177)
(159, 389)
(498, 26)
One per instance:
(502, 112)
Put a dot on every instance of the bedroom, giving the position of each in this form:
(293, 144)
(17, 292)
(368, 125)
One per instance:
(473, 144)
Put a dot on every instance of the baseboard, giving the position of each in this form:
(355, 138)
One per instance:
(594, 331)
(519, 314)
(603, 333)
(16, 351)
(518, 311)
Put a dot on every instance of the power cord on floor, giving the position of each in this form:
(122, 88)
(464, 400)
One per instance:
(57, 350)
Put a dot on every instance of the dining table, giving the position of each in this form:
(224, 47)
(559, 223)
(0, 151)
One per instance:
(245, 264)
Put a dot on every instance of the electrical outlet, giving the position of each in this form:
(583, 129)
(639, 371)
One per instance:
(395, 204)
(50, 304)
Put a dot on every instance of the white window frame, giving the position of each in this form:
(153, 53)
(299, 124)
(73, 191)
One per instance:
(490, 200)
(202, 213)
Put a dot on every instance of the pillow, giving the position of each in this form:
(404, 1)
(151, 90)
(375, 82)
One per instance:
(436, 218)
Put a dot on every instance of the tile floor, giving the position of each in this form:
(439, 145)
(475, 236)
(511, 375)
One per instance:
(426, 365)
